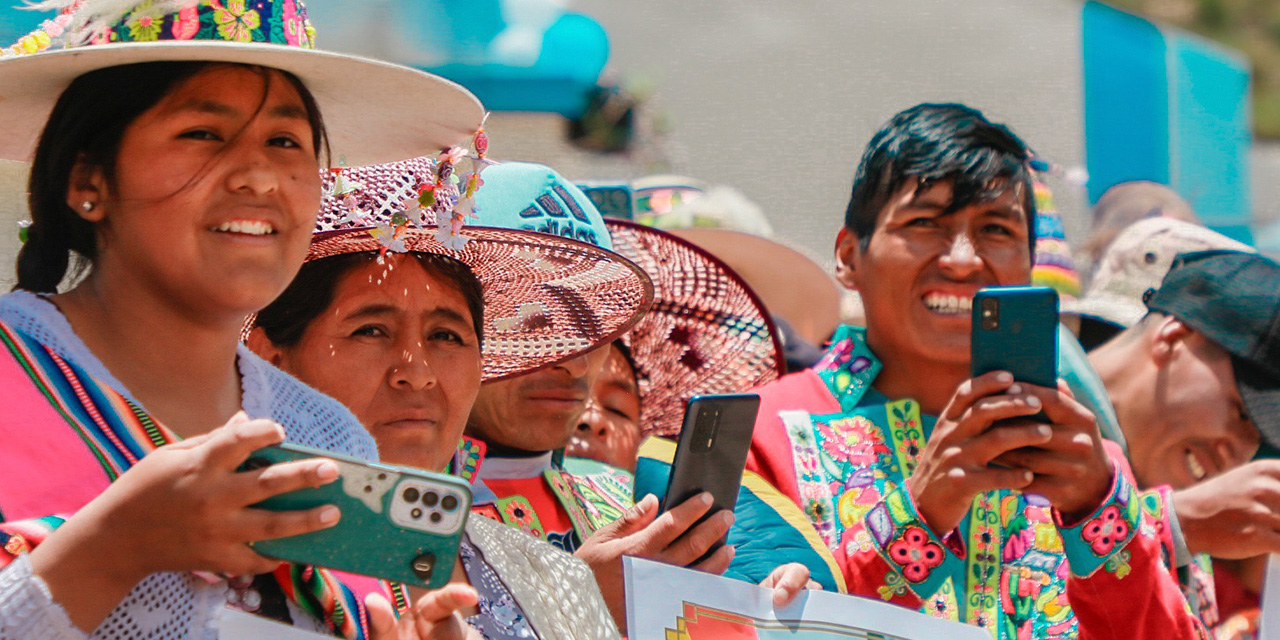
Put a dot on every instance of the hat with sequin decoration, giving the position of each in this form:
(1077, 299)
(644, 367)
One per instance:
(706, 333)
(548, 298)
(373, 111)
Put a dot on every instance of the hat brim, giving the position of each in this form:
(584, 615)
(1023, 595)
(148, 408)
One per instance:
(706, 333)
(374, 111)
(1113, 309)
(790, 283)
(547, 299)
(1260, 390)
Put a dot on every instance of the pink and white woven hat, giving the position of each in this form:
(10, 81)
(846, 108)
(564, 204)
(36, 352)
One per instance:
(547, 298)
(707, 332)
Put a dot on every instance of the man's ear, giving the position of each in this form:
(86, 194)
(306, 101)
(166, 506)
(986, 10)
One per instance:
(1169, 333)
(87, 189)
(848, 250)
(260, 344)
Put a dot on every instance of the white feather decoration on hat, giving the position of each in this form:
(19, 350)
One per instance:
(91, 16)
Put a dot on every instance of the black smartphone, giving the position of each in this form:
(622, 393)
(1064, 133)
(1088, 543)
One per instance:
(712, 451)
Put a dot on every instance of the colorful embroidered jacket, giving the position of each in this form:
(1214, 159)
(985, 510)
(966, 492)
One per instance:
(562, 501)
(842, 451)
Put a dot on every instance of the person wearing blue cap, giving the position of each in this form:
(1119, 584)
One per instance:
(580, 505)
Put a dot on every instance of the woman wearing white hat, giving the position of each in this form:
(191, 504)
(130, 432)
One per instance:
(175, 147)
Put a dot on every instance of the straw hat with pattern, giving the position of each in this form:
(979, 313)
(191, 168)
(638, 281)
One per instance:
(429, 112)
(706, 333)
(547, 298)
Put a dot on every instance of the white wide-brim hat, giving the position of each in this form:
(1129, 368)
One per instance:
(373, 111)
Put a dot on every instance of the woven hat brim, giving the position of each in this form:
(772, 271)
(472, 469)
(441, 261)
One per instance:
(706, 333)
(548, 299)
(374, 111)
(790, 283)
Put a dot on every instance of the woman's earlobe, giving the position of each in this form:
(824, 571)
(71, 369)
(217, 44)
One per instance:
(86, 190)
(259, 343)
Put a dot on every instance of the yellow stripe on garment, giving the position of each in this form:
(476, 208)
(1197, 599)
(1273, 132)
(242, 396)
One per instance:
(665, 451)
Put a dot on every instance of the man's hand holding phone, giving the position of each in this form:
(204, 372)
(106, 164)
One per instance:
(955, 465)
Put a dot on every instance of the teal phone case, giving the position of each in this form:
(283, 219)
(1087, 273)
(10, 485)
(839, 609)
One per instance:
(398, 523)
(1019, 334)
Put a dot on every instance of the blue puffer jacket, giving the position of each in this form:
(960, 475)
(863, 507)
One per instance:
(769, 529)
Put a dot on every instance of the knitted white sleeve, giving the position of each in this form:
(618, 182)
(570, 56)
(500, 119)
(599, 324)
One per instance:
(27, 609)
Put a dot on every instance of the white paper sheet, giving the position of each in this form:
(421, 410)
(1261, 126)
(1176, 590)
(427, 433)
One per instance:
(664, 602)
(1269, 620)
(238, 625)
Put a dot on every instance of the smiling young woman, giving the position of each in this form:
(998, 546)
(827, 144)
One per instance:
(174, 187)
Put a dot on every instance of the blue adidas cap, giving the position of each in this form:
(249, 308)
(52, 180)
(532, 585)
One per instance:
(534, 197)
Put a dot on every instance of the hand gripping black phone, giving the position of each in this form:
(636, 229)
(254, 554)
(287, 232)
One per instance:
(1015, 329)
(712, 452)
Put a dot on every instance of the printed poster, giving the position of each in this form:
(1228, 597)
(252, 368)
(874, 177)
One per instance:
(1269, 619)
(672, 603)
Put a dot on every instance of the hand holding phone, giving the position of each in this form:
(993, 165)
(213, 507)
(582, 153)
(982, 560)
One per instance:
(712, 451)
(398, 523)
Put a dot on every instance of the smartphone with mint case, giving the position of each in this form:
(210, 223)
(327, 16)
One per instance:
(398, 523)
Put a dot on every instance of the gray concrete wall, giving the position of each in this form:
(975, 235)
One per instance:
(779, 98)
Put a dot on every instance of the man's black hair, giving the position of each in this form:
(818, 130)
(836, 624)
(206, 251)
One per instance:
(934, 143)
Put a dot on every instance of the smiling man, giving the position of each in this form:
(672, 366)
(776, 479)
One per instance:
(936, 490)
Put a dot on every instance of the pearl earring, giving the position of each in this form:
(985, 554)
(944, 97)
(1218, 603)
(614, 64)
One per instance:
(87, 206)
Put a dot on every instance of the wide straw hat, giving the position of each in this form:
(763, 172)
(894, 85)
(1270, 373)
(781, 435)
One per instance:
(790, 284)
(547, 298)
(706, 333)
(374, 111)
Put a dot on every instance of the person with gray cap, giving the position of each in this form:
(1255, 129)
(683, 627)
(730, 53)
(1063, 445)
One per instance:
(1196, 387)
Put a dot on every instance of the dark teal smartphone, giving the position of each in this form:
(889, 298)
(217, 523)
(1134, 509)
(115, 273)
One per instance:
(1015, 329)
(398, 523)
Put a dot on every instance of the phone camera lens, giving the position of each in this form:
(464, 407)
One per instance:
(416, 513)
(436, 517)
(430, 498)
(449, 503)
(410, 495)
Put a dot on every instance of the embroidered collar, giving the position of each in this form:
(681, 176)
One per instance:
(848, 367)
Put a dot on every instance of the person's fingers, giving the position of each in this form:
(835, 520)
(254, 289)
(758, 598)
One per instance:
(237, 559)
(789, 580)
(975, 480)
(985, 411)
(718, 562)
(383, 624)
(259, 484)
(232, 444)
(1062, 408)
(1003, 438)
(633, 520)
(669, 526)
(434, 612)
(973, 389)
(260, 524)
(697, 540)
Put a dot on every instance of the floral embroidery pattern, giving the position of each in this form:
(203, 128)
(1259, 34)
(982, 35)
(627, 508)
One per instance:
(145, 22)
(235, 22)
(517, 512)
(1103, 532)
(187, 24)
(916, 554)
